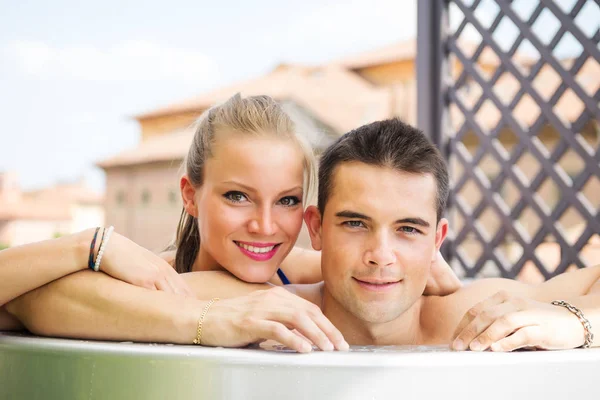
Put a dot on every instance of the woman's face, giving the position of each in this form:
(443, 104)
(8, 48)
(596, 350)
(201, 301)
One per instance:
(249, 205)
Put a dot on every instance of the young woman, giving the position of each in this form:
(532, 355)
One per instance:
(248, 176)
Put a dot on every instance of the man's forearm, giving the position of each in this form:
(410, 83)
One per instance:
(93, 305)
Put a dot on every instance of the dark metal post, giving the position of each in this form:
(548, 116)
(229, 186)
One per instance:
(429, 68)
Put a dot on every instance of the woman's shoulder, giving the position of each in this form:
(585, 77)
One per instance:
(168, 256)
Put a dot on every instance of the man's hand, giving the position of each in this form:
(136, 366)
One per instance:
(505, 322)
(270, 314)
(442, 279)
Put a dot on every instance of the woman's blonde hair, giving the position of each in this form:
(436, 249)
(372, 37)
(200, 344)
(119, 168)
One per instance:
(256, 115)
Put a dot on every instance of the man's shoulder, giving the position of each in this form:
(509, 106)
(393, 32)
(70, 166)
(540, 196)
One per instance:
(312, 292)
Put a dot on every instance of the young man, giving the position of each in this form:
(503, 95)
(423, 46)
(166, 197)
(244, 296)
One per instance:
(382, 190)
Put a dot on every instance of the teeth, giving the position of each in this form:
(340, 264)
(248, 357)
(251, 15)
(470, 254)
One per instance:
(253, 249)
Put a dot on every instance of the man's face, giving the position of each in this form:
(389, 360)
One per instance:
(378, 237)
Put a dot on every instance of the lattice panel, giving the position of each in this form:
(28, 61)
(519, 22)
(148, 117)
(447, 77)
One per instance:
(523, 136)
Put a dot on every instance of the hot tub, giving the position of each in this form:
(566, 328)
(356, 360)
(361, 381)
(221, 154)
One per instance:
(43, 368)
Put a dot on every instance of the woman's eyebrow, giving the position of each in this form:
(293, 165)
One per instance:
(253, 190)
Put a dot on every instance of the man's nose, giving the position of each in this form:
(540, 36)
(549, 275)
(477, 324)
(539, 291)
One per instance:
(380, 251)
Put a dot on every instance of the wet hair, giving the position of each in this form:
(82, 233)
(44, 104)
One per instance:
(388, 143)
(253, 116)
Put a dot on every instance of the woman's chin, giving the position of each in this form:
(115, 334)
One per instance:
(256, 274)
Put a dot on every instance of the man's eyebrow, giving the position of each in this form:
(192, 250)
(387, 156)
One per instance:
(414, 221)
(352, 214)
(355, 215)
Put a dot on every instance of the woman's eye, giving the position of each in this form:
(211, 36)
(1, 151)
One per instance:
(235, 197)
(289, 201)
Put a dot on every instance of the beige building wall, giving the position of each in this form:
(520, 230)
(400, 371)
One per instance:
(166, 124)
(143, 202)
(84, 216)
(18, 232)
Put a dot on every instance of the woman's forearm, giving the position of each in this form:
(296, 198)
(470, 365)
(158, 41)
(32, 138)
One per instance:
(27, 267)
(8, 322)
(96, 306)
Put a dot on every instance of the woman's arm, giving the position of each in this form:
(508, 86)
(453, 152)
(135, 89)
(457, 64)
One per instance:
(27, 267)
(96, 306)
(8, 322)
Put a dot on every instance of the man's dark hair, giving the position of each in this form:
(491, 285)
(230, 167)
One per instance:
(388, 143)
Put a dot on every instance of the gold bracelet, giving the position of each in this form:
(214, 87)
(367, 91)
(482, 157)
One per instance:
(589, 336)
(198, 339)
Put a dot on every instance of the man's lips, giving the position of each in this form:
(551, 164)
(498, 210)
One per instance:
(377, 284)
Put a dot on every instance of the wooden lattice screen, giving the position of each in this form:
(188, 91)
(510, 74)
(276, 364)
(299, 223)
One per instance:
(510, 91)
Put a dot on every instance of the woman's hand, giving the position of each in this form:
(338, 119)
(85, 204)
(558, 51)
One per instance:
(270, 314)
(127, 261)
(442, 279)
(505, 322)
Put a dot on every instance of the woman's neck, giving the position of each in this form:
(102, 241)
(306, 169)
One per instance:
(205, 262)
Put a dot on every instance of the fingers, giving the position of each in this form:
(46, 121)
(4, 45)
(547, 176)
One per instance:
(309, 329)
(278, 332)
(163, 285)
(293, 312)
(320, 330)
(442, 280)
(470, 315)
(178, 284)
(332, 333)
(492, 320)
(524, 337)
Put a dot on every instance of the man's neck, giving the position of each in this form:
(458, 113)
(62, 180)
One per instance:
(406, 329)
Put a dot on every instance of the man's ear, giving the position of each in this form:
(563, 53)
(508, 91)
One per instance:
(440, 234)
(312, 218)
(188, 195)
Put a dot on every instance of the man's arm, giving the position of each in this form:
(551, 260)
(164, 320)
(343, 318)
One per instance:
(495, 308)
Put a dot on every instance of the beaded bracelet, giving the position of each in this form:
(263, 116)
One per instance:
(102, 248)
(91, 258)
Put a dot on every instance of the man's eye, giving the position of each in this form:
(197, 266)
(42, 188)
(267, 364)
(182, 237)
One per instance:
(235, 197)
(410, 230)
(354, 224)
(289, 201)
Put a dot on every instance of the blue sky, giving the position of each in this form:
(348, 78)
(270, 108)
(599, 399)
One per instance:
(73, 73)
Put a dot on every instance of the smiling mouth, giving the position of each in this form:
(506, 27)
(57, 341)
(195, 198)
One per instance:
(377, 285)
(256, 248)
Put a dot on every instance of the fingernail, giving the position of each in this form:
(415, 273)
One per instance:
(306, 348)
(343, 346)
(458, 345)
(475, 345)
(328, 346)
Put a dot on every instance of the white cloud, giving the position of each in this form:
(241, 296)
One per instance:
(126, 61)
(349, 26)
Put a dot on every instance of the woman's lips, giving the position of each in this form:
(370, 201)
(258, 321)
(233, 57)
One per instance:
(258, 251)
(377, 285)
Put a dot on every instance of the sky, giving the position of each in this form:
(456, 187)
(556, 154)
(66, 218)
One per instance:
(73, 73)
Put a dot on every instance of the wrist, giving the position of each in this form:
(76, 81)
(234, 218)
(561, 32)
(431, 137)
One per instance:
(81, 247)
(186, 320)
